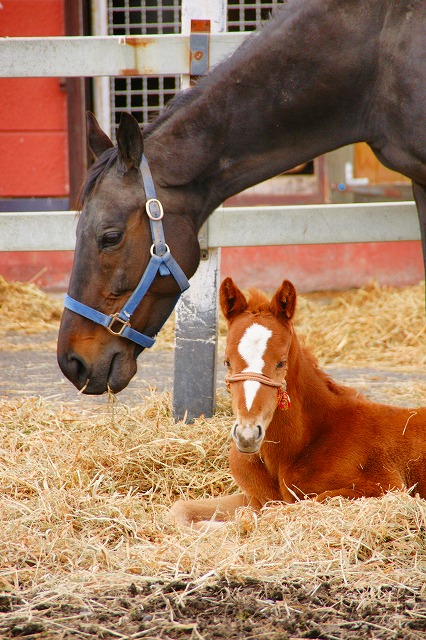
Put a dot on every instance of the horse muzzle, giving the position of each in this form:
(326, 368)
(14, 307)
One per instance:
(247, 438)
(93, 365)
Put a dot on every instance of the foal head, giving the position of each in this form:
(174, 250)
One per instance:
(257, 350)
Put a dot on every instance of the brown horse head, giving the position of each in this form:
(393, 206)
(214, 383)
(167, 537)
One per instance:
(257, 353)
(112, 251)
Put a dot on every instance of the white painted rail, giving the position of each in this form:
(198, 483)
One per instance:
(239, 226)
(91, 56)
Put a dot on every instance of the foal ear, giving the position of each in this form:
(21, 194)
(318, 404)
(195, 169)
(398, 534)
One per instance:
(98, 140)
(129, 141)
(232, 300)
(283, 304)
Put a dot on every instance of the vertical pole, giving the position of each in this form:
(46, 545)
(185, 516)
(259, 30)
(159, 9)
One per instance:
(101, 84)
(76, 20)
(194, 386)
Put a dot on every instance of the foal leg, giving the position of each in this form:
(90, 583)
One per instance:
(209, 513)
(419, 192)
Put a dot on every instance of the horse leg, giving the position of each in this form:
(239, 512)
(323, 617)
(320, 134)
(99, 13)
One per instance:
(365, 489)
(209, 513)
(419, 191)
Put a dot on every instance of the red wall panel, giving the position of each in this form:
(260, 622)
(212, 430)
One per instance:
(33, 111)
(33, 164)
(32, 18)
(322, 267)
(32, 104)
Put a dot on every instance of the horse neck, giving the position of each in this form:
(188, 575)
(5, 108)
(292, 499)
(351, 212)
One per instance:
(293, 91)
(313, 397)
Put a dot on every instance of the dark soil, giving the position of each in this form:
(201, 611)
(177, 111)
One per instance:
(286, 611)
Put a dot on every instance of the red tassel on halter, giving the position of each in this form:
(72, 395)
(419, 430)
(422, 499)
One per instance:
(284, 402)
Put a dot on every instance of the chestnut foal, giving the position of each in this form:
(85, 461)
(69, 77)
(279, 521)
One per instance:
(297, 433)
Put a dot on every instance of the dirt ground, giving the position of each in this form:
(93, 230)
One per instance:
(288, 610)
(28, 367)
(225, 610)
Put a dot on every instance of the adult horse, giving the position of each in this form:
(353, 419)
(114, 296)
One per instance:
(319, 75)
(297, 433)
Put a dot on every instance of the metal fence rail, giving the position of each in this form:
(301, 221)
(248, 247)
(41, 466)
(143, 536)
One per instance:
(239, 226)
(88, 56)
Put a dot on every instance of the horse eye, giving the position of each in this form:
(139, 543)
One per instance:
(111, 238)
(281, 364)
(227, 363)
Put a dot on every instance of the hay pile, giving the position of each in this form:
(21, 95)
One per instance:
(367, 326)
(26, 308)
(84, 501)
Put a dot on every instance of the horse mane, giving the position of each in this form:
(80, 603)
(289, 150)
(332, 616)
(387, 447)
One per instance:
(258, 304)
(226, 65)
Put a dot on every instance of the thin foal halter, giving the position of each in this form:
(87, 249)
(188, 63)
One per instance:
(283, 399)
(161, 262)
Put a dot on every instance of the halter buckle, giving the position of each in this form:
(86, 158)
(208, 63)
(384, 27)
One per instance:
(115, 318)
(158, 207)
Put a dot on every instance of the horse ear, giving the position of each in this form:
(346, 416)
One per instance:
(129, 141)
(98, 140)
(283, 304)
(232, 300)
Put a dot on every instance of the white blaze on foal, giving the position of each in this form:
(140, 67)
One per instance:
(252, 348)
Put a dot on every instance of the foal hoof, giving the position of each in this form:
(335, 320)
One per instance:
(180, 513)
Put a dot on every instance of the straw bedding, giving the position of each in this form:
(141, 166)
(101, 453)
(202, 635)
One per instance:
(84, 502)
(86, 548)
(26, 308)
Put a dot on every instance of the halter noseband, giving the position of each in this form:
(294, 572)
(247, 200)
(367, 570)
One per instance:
(161, 262)
(283, 399)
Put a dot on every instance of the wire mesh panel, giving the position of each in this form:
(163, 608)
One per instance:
(143, 97)
(246, 15)
(146, 97)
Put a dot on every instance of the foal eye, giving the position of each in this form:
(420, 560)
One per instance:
(111, 238)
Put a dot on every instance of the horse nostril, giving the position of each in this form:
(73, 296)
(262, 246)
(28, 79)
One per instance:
(259, 430)
(234, 430)
(80, 370)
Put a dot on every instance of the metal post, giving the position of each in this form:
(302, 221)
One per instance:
(194, 386)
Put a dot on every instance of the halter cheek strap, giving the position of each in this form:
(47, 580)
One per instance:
(161, 262)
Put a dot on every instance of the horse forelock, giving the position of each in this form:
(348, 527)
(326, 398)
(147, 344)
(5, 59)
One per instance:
(258, 302)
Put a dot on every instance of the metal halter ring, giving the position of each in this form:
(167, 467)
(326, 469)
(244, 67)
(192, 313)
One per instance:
(159, 205)
(152, 250)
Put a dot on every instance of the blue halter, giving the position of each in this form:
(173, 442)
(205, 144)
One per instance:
(161, 262)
